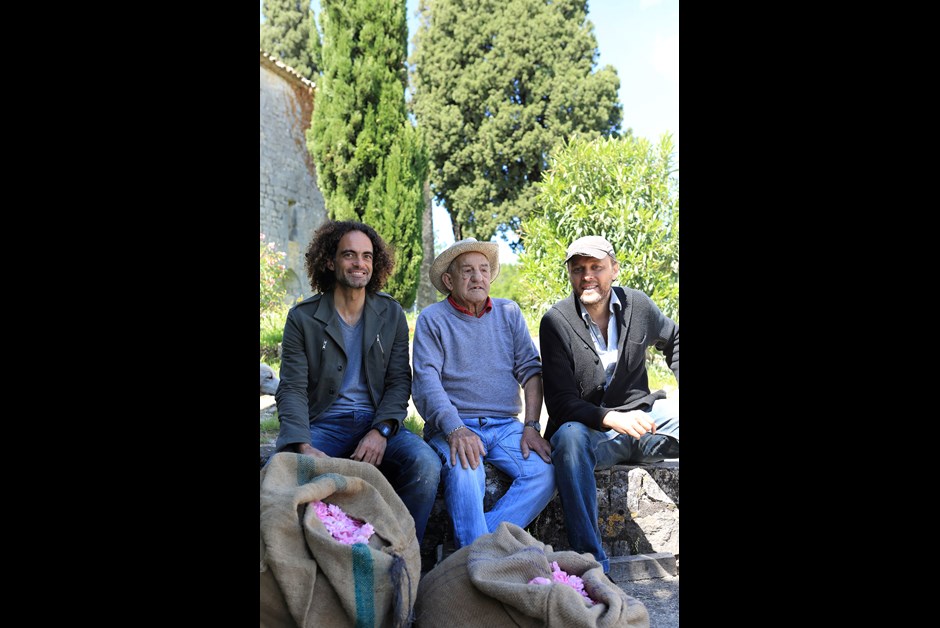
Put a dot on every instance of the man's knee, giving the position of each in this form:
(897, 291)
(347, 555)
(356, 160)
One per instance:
(426, 458)
(656, 448)
(571, 437)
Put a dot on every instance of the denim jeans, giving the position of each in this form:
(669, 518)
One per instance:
(409, 464)
(578, 450)
(533, 481)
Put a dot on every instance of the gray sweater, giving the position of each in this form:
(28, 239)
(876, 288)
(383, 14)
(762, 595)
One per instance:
(470, 367)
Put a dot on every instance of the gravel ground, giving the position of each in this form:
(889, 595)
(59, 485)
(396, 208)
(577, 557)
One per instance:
(661, 598)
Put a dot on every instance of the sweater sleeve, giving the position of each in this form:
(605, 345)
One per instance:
(526, 361)
(562, 397)
(431, 401)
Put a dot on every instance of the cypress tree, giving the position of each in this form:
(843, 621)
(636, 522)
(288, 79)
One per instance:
(289, 31)
(498, 84)
(370, 162)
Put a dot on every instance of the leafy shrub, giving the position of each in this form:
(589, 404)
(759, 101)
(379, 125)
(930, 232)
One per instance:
(622, 189)
(273, 273)
(273, 307)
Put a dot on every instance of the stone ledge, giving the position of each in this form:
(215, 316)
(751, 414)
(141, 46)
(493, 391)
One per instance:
(638, 511)
(642, 567)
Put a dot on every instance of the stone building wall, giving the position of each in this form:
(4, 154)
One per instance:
(292, 206)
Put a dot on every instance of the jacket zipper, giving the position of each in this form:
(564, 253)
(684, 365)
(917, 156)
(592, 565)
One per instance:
(379, 340)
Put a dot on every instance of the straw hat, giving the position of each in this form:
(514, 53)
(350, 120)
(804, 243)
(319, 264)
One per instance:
(442, 261)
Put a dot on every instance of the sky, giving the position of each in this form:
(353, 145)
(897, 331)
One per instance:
(640, 38)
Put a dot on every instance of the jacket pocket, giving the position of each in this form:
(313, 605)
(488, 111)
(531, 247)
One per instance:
(636, 351)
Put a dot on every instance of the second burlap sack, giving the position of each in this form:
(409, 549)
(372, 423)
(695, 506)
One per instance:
(486, 584)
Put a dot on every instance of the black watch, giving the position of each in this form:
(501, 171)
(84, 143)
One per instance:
(535, 426)
(384, 429)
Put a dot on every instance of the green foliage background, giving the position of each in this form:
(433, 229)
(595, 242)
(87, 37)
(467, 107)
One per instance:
(623, 189)
(498, 84)
(508, 284)
(272, 273)
(370, 162)
(273, 293)
(289, 32)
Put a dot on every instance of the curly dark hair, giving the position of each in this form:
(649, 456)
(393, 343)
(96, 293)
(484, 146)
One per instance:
(323, 249)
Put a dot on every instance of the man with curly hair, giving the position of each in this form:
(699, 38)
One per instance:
(345, 373)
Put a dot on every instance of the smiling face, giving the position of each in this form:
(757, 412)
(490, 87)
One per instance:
(353, 261)
(591, 278)
(468, 279)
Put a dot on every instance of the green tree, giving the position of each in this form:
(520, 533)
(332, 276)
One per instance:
(289, 31)
(370, 162)
(622, 189)
(498, 84)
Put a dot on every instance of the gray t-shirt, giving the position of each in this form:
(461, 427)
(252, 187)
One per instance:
(353, 394)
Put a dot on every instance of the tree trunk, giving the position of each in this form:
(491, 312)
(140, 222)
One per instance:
(427, 293)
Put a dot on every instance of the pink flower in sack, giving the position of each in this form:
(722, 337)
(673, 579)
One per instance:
(575, 582)
(341, 526)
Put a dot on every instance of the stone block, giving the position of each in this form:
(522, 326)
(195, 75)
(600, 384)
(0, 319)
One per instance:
(638, 511)
(642, 567)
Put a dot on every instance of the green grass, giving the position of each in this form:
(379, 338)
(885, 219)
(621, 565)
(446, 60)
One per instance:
(272, 333)
(269, 429)
(415, 424)
(660, 376)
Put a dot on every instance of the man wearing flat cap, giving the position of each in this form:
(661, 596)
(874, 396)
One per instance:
(601, 411)
(471, 355)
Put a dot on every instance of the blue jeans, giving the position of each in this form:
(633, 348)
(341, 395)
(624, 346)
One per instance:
(533, 481)
(578, 450)
(409, 464)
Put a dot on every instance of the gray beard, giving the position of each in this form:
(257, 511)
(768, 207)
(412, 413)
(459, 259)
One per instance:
(344, 281)
(597, 298)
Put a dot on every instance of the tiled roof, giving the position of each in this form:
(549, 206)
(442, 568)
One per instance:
(272, 62)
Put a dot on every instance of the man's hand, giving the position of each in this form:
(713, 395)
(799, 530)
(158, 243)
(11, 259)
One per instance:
(532, 440)
(635, 423)
(309, 450)
(468, 446)
(371, 448)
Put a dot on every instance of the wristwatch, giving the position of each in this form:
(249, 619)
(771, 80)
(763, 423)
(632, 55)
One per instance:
(535, 426)
(384, 429)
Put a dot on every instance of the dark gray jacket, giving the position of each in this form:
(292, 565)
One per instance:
(573, 375)
(313, 362)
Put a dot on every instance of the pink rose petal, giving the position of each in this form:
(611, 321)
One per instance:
(558, 575)
(341, 526)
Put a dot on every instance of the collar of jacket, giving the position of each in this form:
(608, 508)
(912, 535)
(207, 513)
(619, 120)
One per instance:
(372, 315)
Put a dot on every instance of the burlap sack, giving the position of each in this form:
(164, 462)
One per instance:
(310, 579)
(485, 584)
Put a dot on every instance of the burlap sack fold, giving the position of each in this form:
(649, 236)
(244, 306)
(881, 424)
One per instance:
(485, 584)
(307, 577)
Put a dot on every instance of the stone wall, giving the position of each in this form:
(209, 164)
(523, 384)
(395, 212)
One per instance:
(292, 206)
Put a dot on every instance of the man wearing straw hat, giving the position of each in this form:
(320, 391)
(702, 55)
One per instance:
(471, 355)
